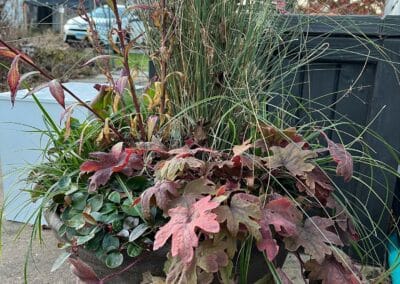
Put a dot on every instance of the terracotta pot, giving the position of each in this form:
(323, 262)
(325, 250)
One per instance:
(154, 262)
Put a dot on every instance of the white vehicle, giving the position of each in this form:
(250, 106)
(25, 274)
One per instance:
(77, 29)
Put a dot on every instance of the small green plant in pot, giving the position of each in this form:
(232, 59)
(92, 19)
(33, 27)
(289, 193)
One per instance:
(192, 182)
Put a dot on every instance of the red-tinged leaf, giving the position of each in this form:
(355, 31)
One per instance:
(5, 52)
(118, 160)
(151, 126)
(343, 159)
(292, 157)
(66, 115)
(211, 256)
(13, 78)
(171, 169)
(156, 147)
(182, 227)
(104, 58)
(267, 242)
(160, 194)
(332, 271)
(345, 225)
(57, 91)
(238, 167)
(285, 217)
(121, 84)
(136, 201)
(22, 78)
(243, 209)
(240, 149)
(316, 184)
(283, 277)
(194, 191)
(181, 273)
(272, 136)
(221, 190)
(186, 151)
(315, 238)
(83, 271)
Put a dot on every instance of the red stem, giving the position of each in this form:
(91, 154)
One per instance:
(125, 53)
(49, 77)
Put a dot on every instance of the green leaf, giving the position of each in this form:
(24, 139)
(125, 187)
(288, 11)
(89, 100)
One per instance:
(129, 209)
(73, 188)
(62, 230)
(114, 259)
(80, 240)
(70, 233)
(60, 260)
(99, 217)
(117, 225)
(137, 183)
(134, 250)
(59, 198)
(101, 254)
(89, 219)
(138, 232)
(64, 182)
(108, 207)
(76, 222)
(114, 197)
(95, 243)
(79, 200)
(113, 218)
(96, 202)
(110, 243)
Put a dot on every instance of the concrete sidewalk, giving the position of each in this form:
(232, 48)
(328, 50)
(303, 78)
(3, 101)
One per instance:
(15, 249)
(14, 252)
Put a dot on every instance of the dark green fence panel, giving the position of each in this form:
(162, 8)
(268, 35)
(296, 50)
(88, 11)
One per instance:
(360, 81)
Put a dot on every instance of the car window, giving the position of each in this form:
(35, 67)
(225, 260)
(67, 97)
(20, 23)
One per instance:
(106, 12)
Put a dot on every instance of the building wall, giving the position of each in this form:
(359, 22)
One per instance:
(12, 12)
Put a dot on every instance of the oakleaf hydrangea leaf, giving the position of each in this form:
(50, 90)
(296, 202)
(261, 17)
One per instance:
(118, 160)
(315, 238)
(182, 228)
(316, 184)
(285, 217)
(336, 268)
(171, 169)
(292, 157)
(194, 191)
(160, 194)
(343, 159)
(243, 209)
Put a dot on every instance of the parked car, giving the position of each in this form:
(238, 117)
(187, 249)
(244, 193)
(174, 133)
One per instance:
(76, 30)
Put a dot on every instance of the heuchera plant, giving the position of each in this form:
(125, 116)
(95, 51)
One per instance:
(208, 200)
(139, 194)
